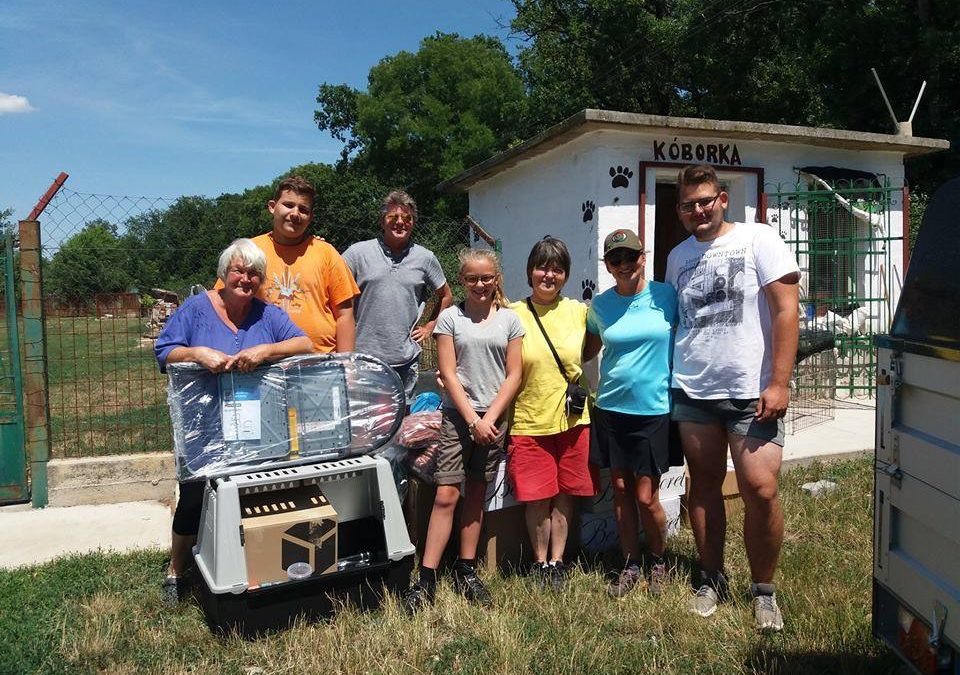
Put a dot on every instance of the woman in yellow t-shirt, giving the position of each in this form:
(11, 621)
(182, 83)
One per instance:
(549, 449)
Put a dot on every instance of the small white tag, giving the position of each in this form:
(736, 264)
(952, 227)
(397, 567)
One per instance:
(241, 420)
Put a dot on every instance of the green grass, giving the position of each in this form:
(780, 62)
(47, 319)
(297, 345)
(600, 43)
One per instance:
(102, 613)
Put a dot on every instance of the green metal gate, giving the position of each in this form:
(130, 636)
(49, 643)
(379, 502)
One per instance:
(13, 473)
(842, 237)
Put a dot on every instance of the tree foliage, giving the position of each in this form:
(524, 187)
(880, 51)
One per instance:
(427, 116)
(755, 60)
(90, 262)
(176, 247)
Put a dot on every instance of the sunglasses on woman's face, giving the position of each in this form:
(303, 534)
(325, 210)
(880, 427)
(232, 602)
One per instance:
(619, 256)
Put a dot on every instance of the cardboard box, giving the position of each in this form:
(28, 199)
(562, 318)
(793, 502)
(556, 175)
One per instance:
(503, 540)
(282, 527)
(732, 503)
(730, 488)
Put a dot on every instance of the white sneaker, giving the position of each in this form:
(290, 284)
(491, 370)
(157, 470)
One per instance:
(766, 611)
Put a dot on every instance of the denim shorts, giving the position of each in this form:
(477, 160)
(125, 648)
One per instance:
(737, 414)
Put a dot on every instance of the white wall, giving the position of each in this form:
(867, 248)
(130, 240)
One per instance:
(547, 195)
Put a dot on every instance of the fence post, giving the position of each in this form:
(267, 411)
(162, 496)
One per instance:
(37, 418)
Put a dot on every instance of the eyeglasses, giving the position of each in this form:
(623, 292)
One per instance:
(705, 204)
(241, 272)
(474, 279)
(618, 256)
(394, 218)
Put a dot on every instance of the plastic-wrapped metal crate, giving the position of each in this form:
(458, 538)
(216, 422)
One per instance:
(308, 408)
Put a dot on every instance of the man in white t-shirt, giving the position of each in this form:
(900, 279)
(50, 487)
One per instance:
(733, 356)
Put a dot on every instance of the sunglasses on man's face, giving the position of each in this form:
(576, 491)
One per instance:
(394, 218)
(619, 256)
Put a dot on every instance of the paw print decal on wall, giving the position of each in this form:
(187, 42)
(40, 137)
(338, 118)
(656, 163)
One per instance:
(588, 288)
(588, 208)
(621, 176)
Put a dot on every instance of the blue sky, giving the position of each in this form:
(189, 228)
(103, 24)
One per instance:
(186, 97)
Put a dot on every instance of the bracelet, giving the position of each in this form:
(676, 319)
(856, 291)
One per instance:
(473, 423)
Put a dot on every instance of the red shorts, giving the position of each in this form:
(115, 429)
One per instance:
(541, 467)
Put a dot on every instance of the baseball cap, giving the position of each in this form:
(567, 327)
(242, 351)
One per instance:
(621, 239)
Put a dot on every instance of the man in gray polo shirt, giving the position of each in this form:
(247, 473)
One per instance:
(396, 278)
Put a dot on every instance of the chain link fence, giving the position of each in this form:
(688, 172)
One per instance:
(114, 267)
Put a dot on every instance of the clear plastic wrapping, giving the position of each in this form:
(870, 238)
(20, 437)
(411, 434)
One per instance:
(303, 409)
(420, 429)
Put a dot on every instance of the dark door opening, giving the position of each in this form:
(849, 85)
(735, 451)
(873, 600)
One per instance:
(668, 230)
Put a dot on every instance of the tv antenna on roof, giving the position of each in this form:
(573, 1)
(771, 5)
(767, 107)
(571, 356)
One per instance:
(901, 128)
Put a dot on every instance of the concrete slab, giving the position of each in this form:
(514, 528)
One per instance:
(33, 536)
(849, 433)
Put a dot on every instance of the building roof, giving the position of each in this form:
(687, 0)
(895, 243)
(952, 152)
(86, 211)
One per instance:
(589, 120)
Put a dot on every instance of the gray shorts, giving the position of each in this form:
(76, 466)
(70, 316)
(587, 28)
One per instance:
(737, 414)
(459, 457)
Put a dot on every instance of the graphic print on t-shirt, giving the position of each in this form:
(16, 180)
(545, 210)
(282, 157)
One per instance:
(286, 291)
(711, 294)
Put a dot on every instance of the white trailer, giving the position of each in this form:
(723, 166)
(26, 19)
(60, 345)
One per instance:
(916, 570)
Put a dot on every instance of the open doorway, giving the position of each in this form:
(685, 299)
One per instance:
(668, 230)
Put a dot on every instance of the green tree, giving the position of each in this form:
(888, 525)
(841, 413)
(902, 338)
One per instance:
(427, 116)
(88, 263)
(178, 246)
(779, 62)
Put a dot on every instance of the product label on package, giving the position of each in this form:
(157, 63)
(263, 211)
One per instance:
(241, 416)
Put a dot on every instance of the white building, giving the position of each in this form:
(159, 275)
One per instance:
(600, 170)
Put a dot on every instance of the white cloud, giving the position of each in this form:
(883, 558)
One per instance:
(11, 103)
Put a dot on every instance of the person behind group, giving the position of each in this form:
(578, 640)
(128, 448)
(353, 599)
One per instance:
(634, 322)
(222, 330)
(479, 355)
(733, 357)
(306, 276)
(549, 447)
(396, 277)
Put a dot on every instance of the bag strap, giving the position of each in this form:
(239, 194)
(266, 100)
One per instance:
(563, 371)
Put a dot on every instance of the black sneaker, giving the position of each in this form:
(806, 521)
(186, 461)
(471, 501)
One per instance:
(417, 597)
(540, 573)
(557, 572)
(468, 584)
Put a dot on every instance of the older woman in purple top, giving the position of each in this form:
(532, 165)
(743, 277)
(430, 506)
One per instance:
(222, 330)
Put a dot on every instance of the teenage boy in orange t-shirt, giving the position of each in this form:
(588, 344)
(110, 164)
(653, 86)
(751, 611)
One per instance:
(305, 275)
